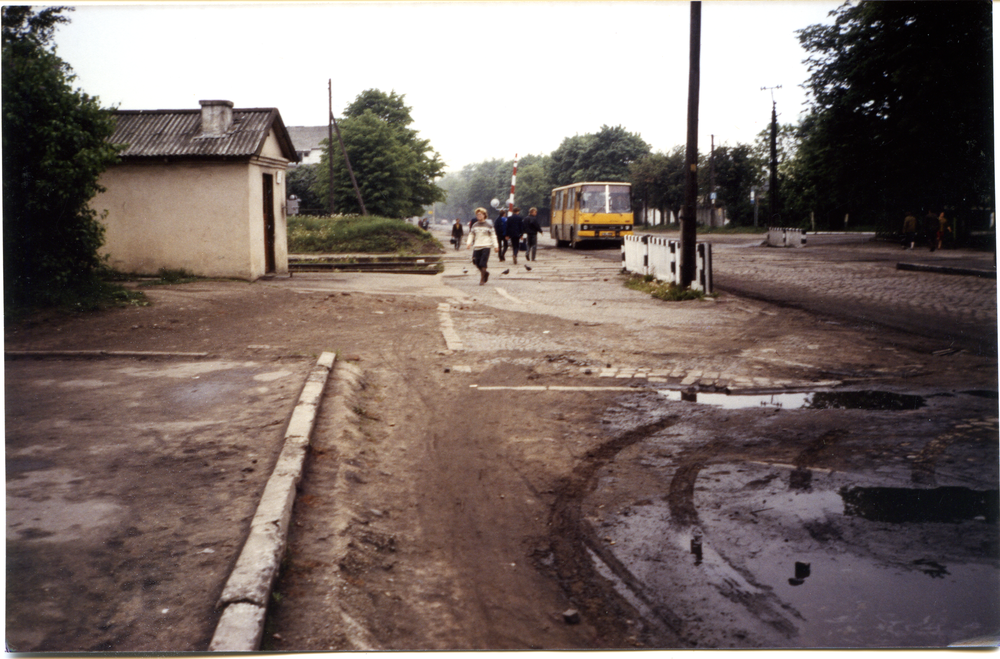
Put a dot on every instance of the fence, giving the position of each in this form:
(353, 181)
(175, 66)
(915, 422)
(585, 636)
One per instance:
(661, 258)
(782, 237)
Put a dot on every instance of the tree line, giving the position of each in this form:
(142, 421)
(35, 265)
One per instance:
(899, 119)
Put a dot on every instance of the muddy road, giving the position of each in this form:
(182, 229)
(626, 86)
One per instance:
(554, 461)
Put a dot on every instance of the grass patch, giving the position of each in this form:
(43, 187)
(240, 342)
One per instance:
(668, 292)
(97, 292)
(358, 235)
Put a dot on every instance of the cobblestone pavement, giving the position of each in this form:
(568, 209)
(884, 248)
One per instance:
(861, 281)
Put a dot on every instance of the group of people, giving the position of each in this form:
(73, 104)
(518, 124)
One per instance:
(503, 234)
(935, 229)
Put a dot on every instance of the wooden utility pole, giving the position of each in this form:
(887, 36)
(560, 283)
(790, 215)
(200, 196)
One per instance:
(690, 219)
(347, 160)
(329, 148)
(773, 200)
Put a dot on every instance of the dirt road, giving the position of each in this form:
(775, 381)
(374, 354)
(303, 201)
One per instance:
(506, 438)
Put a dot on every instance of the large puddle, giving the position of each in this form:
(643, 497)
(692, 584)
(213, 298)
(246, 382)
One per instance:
(927, 576)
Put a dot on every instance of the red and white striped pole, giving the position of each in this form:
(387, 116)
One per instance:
(513, 180)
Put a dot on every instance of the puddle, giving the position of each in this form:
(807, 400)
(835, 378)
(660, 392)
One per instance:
(816, 400)
(898, 505)
(848, 601)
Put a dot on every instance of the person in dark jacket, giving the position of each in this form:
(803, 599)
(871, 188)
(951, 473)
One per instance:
(500, 225)
(532, 227)
(515, 229)
(457, 231)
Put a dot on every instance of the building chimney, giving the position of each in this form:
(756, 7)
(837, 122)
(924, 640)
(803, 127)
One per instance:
(216, 117)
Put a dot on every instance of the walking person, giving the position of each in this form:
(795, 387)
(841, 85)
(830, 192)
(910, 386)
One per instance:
(942, 233)
(515, 228)
(501, 227)
(532, 228)
(909, 230)
(457, 231)
(482, 237)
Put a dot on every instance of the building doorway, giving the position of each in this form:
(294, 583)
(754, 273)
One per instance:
(268, 223)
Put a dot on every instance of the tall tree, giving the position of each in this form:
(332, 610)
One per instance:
(395, 169)
(735, 174)
(601, 156)
(54, 149)
(658, 181)
(901, 109)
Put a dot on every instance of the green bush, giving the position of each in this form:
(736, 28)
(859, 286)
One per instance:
(356, 234)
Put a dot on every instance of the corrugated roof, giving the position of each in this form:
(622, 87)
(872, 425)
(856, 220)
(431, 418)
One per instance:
(307, 138)
(178, 134)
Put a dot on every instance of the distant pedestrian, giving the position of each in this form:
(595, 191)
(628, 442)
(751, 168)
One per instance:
(457, 231)
(482, 237)
(943, 231)
(500, 224)
(531, 230)
(515, 228)
(909, 230)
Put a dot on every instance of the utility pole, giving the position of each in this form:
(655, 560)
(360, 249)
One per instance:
(690, 219)
(711, 180)
(774, 208)
(329, 147)
(347, 160)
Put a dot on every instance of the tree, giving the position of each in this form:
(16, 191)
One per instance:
(735, 173)
(901, 110)
(394, 168)
(302, 183)
(54, 149)
(602, 156)
(658, 181)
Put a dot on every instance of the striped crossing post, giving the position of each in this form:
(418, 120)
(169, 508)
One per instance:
(513, 180)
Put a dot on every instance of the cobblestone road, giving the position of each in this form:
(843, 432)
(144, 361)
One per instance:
(861, 281)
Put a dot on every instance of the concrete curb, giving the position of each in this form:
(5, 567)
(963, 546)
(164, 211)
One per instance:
(245, 596)
(947, 270)
(99, 354)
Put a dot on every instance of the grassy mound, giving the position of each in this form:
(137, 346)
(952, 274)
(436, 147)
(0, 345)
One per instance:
(357, 235)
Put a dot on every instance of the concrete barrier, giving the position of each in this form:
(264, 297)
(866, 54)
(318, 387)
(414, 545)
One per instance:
(657, 256)
(784, 237)
(635, 254)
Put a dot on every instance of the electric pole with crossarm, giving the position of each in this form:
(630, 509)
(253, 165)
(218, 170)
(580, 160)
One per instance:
(774, 208)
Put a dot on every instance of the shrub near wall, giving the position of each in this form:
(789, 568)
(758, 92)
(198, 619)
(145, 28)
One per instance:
(357, 235)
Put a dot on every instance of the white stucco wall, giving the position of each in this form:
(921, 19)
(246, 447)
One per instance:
(203, 217)
(177, 215)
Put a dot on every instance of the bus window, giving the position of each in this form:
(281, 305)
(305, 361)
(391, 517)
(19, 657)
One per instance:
(556, 201)
(620, 199)
(566, 203)
(593, 200)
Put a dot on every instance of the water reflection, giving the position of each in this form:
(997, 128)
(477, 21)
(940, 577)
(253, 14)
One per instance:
(816, 400)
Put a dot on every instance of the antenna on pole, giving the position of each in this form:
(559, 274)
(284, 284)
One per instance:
(773, 102)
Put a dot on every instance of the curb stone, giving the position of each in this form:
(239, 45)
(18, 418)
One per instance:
(245, 596)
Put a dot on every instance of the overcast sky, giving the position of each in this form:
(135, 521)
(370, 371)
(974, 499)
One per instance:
(484, 79)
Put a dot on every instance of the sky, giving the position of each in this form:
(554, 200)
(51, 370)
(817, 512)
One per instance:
(484, 80)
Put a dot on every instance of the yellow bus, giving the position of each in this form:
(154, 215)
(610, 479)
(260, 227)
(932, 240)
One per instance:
(591, 211)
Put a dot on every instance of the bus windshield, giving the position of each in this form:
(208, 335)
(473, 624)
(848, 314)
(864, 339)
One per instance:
(621, 201)
(595, 198)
